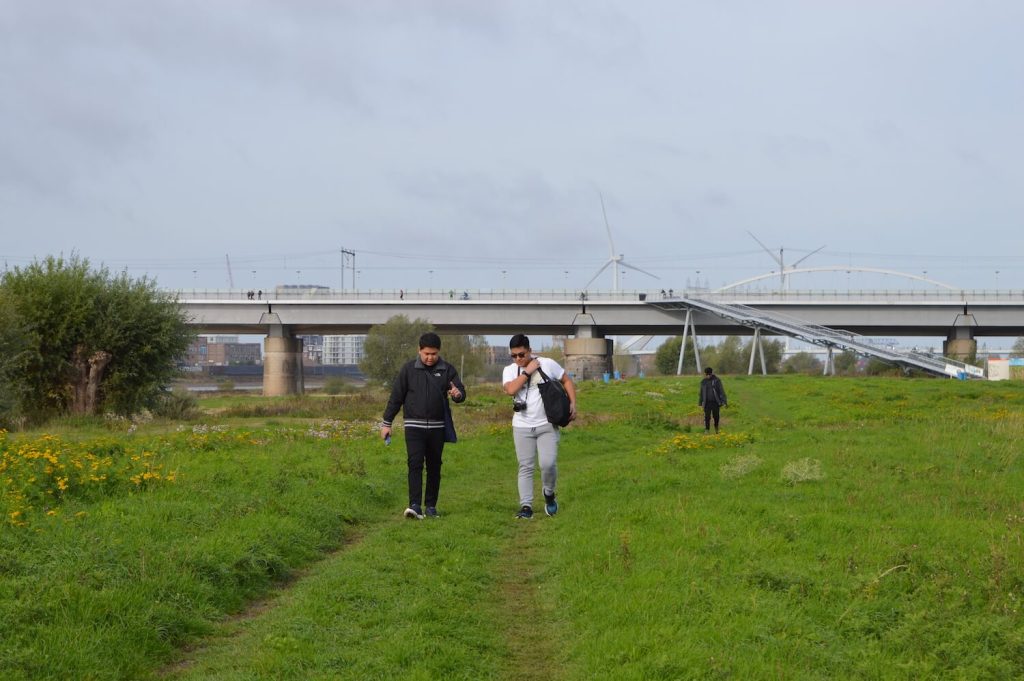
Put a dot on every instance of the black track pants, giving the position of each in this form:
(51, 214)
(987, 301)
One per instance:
(424, 447)
(711, 409)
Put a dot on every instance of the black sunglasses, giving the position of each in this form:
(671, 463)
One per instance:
(518, 355)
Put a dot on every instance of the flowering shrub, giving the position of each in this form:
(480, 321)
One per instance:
(336, 430)
(37, 475)
(686, 441)
(802, 470)
(739, 466)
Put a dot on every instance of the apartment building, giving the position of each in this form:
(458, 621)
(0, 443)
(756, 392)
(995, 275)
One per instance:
(345, 350)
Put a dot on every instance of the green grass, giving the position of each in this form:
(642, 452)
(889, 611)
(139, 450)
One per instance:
(838, 528)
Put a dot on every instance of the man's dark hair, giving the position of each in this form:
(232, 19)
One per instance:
(519, 341)
(430, 340)
(709, 371)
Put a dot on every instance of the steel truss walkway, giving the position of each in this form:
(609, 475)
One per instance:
(817, 335)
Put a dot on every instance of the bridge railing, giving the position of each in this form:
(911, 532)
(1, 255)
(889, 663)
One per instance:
(574, 295)
(400, 295)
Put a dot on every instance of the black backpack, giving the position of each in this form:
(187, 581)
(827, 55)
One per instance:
(555, 399)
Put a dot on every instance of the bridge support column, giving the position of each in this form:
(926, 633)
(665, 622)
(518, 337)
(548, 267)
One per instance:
(962, 349)
(690, 328)
(756, 345)
(588, 355)
(960, 344)
(282, 360)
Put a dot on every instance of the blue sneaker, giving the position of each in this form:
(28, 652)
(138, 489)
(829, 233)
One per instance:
(550, 505)
(525, 513)
(414, 512)
(432, 512)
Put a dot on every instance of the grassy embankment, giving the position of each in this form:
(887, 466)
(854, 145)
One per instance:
(854, 528)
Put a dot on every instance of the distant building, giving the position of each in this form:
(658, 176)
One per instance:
(197, 353)
(499, 355)
(1005, 368)
(345, 350)
(221, 351)
(225, 354)
(312, 349)
(998, 368)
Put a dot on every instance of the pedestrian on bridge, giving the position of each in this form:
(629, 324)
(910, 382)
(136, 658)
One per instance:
(421, 391)
(712, 398)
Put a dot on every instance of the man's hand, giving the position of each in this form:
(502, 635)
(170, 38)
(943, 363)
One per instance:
(453, 392)
(572, 411)
(385, 432)
(532, 366)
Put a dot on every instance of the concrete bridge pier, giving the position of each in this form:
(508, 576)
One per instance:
(588, 355)
(282, 361)
(962, 349)
(960, 343)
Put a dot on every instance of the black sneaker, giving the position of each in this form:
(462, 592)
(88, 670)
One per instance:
(432, 512)
(525, 513)
(414, 512)
(550, 505)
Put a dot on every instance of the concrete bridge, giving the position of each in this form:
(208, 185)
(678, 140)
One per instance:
(587, 319)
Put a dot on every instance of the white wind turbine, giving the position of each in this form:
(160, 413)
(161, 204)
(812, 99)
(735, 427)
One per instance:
(783, 280)
(613, 258)
(783, 277)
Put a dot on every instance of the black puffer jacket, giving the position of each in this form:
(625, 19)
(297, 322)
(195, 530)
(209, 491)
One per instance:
(422, 390)
(711, 391)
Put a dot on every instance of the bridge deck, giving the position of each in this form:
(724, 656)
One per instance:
(868, 313)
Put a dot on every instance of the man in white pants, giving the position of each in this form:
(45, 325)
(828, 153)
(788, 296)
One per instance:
(535, 439)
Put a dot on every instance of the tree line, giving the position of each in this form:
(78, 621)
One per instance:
(79, 340)
(732, 356)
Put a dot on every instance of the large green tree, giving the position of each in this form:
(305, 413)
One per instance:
(14, 352)
(390, 345)
(95, 341)
(802, 363)
(846, 363)
(727, 357)
(666, 357)
(468, 354)
(772, 355)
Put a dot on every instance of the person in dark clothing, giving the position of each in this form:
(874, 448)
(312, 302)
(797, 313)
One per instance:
(421, 390)
(712, 398)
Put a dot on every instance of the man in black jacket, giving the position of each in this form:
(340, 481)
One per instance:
(712, 396)
(423, 387)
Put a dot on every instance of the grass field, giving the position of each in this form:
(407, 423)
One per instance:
(837, 528)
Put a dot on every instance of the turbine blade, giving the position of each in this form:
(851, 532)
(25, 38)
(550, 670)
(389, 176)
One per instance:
(774, 257)
(633, 267)
(806, 256)
(598, 274)
(611, 244)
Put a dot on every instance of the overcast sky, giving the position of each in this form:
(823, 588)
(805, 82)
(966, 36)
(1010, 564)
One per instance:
(468, 137)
